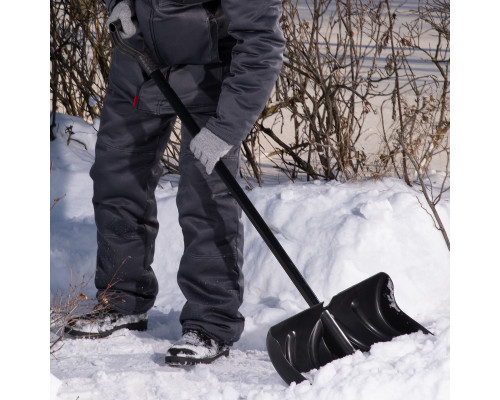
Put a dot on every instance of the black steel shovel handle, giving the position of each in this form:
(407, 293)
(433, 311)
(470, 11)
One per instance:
(153, 70)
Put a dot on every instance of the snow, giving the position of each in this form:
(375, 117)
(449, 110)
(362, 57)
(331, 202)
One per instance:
(336, 233)
(25, 181)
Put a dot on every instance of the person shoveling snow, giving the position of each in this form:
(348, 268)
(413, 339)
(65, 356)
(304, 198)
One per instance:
(354, 320)
(224, 71)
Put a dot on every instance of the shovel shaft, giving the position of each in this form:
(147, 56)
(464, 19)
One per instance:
(240, 196)
(267, 235)
(153, 70)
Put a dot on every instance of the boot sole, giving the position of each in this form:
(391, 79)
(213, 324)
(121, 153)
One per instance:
(135, 326)
(176, 361)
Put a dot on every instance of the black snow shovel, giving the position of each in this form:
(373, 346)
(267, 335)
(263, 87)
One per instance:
(355, 319)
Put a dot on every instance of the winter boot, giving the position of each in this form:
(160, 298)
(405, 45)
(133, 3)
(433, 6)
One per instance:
(195, 347)
(102, 322)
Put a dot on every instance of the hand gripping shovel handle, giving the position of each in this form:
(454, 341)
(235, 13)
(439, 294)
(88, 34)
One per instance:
(153, 70)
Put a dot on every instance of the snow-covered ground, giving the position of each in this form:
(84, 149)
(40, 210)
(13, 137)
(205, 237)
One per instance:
(25, 244)
(337, 234)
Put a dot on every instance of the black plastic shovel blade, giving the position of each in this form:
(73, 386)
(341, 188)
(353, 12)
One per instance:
(367, 313)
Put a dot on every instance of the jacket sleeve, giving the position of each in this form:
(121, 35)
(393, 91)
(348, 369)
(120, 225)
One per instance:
(110, 4)
(256, 62)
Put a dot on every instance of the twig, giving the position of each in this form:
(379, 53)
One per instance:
(57, 201)
(421, 178)
(397, 89)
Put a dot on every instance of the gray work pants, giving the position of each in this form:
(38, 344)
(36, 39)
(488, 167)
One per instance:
(126, 171)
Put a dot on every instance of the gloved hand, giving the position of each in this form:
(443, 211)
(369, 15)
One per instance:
(124, 11)
(209, 148)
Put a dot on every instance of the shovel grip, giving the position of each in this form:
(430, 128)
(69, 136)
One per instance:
(141, 56)
(116, 26)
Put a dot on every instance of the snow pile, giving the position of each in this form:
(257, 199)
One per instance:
(337, 235)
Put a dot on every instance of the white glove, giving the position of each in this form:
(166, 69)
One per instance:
(209, 148)
(124, 11)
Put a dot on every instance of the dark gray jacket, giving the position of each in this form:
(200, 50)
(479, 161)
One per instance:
(251, 30)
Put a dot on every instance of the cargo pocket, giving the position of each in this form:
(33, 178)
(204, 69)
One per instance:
(198, 87)
(180, 32)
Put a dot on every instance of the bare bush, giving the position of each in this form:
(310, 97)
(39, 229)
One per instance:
(343, 59)
(350, 101)
(345, 63)
(170, 159)
(65, 309)
(329, 80)
(80, 51)
(421, 131)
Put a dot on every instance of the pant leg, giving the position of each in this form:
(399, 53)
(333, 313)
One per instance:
(210, 273)
(125, 174)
